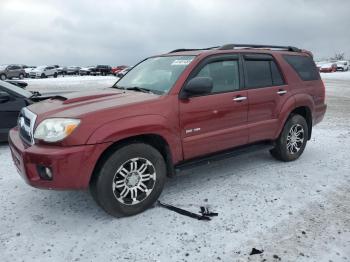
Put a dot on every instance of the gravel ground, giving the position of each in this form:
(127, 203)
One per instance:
(296, 211)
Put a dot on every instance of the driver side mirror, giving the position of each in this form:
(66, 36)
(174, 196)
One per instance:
(197, 86)
(4, 97)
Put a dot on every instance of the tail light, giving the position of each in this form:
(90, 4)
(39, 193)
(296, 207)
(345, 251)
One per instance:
(323, 91)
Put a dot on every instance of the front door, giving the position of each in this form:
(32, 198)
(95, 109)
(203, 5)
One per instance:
(215, 121)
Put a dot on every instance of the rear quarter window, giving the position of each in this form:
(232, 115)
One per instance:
(304, 66)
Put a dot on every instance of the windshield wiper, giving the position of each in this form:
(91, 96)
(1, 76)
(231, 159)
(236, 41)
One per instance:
(118, 87)
(139, 89)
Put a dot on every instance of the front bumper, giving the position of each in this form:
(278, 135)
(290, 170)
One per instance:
(71, 167)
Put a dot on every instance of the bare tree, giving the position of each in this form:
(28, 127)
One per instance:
(338, 56)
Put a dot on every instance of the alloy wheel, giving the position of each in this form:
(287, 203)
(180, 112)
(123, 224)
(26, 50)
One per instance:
(134, 181)
(295, 139)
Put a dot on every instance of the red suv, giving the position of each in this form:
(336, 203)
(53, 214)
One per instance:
(169, 111)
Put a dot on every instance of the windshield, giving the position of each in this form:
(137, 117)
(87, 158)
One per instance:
(157, 74)
(15, 89)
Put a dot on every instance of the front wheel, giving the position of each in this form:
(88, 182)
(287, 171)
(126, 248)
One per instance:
(3, 77)
(292, 140)
(130, 180)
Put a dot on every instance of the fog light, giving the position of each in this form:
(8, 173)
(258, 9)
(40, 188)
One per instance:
(45, 173)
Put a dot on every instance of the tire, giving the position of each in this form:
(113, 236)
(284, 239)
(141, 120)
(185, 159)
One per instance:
(3, 77)
(55, 75)
(21, 76)
(43, 75)
(287, 148)
(120, 175)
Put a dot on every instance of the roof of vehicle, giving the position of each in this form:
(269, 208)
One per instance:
(238, 48)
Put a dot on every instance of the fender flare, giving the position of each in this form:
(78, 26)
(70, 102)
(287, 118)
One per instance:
(298, 100)
(128, 127)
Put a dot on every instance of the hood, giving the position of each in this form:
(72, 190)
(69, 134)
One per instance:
(82, 104)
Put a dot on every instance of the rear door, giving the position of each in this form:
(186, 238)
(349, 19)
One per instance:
(267, 92)
(215, 121)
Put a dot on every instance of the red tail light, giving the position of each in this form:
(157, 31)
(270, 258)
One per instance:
(323, 91)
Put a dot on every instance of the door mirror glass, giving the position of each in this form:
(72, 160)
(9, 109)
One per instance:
(4, 97)
(197, 86)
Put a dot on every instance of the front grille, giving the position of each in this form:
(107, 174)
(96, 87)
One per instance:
(26, 123)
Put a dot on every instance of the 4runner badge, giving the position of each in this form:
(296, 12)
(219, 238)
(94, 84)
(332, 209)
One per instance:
(188, 131)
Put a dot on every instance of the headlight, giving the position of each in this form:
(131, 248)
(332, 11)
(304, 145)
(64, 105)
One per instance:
(55, 129)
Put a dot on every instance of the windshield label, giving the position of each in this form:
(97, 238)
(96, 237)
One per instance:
(181, 62)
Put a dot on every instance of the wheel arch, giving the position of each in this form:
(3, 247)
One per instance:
(154, 140)
(305, 112)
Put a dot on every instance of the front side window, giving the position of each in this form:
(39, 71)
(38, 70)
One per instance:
(157, 74)
(225, 75)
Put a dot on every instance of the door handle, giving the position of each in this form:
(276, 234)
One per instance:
(240, 98)
(281, 92)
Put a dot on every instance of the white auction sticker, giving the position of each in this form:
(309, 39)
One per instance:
(181, 62)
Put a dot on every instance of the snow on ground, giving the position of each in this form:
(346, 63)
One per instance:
(298, 211)
(336, 75)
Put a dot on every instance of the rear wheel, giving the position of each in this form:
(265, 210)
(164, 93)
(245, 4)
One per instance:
(3, 77)
(55, 75)
(292, 140)
(43, 75)
(21, 76)
(130, 180)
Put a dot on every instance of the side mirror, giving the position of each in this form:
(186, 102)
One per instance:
(4, 97)
(197, 86)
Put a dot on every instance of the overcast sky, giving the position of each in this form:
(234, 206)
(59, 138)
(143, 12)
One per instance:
(84, 32)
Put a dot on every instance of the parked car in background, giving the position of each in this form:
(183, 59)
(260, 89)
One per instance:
(62, 70)
(11, 71)
(89, 70)
(103, 70)
(27, 69)
(124, 72)
(117, 69)
(328, 68)
(21, 84)
(12, 99)
(170, 111)
(43, 72)
(73, 70)
(342, 65)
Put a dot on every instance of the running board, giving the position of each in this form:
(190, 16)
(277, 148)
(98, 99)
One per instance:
(223, 155)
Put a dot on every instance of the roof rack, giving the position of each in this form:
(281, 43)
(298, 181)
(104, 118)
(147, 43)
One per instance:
(233, 46)
(192, 49)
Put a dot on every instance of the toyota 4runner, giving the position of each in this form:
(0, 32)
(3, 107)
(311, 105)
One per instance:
(168, 111)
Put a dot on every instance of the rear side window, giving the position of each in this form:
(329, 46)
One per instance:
(262, 71)
(225, 75)
(304, 66)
